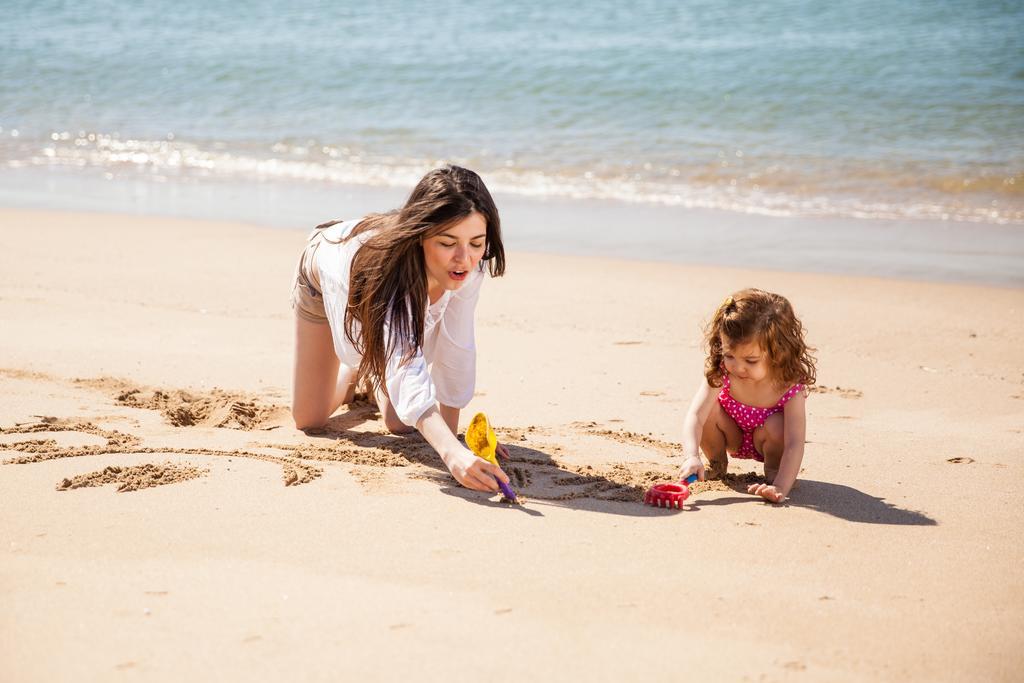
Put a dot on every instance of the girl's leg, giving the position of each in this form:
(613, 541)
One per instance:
(721, 434)
(768, 440)
(317, 391)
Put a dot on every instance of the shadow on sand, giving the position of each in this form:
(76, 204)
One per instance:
(837, 500)
(540, 478)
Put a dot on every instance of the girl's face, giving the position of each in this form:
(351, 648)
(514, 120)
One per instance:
(452, 254)
(745, 360)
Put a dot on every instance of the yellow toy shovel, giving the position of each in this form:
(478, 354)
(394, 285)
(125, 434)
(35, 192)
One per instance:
(481, 440)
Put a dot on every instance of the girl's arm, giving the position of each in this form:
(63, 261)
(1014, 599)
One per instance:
(794, 436)
(794, 433)
(469, 470)
(693, 428)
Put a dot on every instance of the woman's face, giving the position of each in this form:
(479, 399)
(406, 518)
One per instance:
(452, 254)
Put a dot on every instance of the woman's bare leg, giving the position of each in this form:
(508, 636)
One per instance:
(396, 426)
(317, 390)
(721, 434)
(391, 421)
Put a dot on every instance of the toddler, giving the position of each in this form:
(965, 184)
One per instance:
(751, 401)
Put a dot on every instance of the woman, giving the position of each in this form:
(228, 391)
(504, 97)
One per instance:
(380, 299)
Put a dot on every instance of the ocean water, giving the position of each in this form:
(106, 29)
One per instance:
(910, 109)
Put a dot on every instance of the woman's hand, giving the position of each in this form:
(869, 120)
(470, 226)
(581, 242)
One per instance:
(693, 465)
(470, 471)
(768, 492)
(502, 452)
(473, 472)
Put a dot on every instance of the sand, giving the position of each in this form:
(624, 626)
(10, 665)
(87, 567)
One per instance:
(162, 519)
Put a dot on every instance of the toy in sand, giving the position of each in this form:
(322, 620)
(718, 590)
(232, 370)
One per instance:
(482, 441)
(669, 495)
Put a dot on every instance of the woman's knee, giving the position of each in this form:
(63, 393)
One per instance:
(391, 421)
(396, 426)
(401, 429)
(307, 417)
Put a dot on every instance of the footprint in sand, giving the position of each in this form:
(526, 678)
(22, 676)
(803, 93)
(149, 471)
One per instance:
(670, 448)
(134, 478)
(118, 443)
(216, 408)
(843, 393)
(512, 434)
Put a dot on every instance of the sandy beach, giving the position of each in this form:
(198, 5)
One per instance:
(163, 520)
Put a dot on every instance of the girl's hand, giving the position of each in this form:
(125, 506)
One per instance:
(693, 465)
(502, 452)
(769, 493)
(473, 472)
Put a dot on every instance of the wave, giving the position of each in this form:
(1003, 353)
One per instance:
(813, 190)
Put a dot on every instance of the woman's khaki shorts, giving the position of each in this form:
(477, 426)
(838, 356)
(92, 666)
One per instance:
(307, 300)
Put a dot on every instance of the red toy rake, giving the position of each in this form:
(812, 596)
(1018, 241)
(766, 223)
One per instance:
(669, 495)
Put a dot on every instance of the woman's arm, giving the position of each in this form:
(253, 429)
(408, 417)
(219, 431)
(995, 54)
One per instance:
(693, 428)
(433, 402)
(454, 353)
(414, 401)
(451, 417)
(469, 470)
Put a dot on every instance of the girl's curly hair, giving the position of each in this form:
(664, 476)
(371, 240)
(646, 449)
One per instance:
(757, 315)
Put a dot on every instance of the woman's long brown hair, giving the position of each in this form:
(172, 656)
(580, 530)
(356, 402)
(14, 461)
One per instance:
(387, 296)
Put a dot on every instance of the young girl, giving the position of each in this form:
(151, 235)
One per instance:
(382, 298)
(751, 401)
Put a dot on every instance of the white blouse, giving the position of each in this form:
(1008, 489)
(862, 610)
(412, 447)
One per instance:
(443, 370)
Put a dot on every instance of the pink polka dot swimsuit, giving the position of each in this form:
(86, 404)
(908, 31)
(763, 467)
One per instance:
(750, 418)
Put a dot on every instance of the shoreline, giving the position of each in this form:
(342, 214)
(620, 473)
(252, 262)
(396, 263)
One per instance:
(921, 250)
